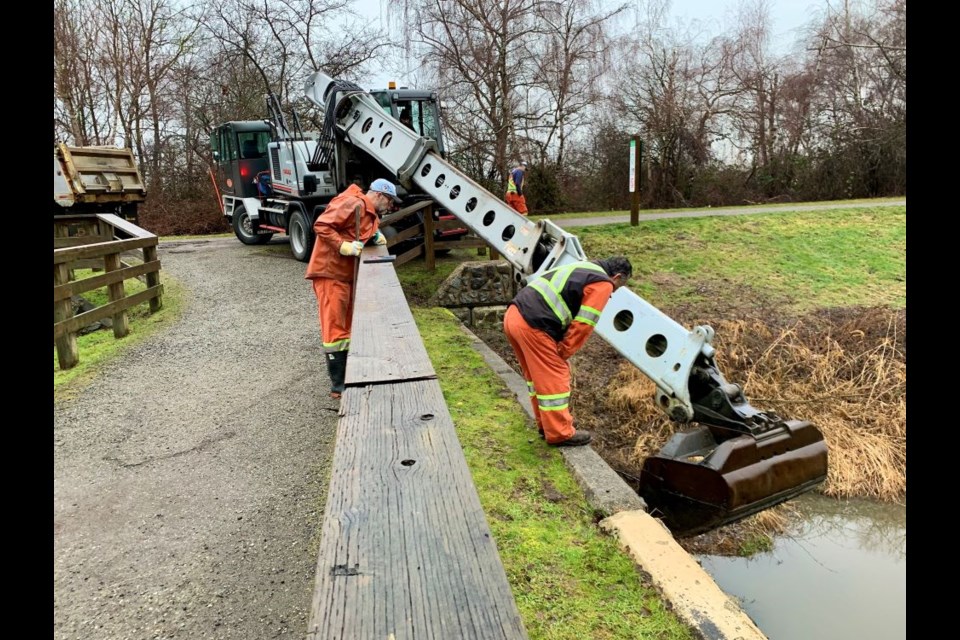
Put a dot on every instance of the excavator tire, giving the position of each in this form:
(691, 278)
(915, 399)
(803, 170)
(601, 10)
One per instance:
(695, 484)
(302, 237)
(243, 229)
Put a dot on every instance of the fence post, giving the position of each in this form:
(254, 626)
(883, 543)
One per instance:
(121, 327)
(428, 238)
(153, 278)
(67, 354)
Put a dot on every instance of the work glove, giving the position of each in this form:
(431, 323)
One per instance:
(351, 248)
(379, 238)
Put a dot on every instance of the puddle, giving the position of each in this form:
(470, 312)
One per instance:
(841, 575)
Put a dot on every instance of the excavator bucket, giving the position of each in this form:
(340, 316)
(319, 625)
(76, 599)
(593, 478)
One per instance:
(697, 484)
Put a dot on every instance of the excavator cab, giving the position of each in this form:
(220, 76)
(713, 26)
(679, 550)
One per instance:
(240, 151)
(419, 110)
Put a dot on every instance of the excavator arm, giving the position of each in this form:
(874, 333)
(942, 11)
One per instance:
(737, 461)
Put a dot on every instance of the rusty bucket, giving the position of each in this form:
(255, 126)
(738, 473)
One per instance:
(696, 484)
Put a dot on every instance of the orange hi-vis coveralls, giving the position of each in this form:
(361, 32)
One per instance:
(546, 323)
(514, 196)
(332, 273)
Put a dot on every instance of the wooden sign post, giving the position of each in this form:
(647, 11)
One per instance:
(636, 150)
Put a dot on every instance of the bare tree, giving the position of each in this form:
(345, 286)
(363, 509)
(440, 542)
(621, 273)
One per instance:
(282, 42)
(569, 58)
(479, 52)
(81, 112)
(860, 120)
(678, 91)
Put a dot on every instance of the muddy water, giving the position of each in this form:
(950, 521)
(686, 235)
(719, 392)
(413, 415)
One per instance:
(841, 575)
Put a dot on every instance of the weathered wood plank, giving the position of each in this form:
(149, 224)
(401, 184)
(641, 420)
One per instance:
(117, 293)
(406, 551)
(78, 241)
(101, 248)
(153, 277)
(119, 224)
(406, 234)
(66, 343)
(385, 345)
(429, 256)
(407, 256)
(95, 282)
(389, 219)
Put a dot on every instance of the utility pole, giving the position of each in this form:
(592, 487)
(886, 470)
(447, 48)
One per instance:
(636, 152)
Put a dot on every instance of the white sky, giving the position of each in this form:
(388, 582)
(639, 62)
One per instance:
(715, 15)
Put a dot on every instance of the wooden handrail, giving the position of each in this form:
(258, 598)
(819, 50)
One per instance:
(127, 237)
(64, 291)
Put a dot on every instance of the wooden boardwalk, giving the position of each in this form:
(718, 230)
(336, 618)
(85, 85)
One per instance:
(405, 551)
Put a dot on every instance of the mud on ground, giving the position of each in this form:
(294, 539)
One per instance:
(843, 369)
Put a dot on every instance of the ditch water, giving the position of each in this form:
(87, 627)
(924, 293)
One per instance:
(841, 575)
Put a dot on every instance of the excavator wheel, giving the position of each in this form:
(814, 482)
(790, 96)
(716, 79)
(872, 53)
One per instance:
(244, 230)
(302, 237)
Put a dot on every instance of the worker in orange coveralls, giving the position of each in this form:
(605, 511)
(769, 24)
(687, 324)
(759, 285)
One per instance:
(546, 323)
(349, 221)
(515, 186)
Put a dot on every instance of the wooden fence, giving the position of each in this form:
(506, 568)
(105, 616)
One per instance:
(426, 229)
(100, 242)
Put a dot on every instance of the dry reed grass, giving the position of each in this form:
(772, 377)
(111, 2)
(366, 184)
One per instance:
(844, 371)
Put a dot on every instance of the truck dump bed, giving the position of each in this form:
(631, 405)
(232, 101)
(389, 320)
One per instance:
(95, 179)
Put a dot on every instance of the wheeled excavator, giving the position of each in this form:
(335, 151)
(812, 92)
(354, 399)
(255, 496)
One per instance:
(729, 460)
(272, 177)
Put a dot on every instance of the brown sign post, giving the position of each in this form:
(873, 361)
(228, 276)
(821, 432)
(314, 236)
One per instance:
(636, 151)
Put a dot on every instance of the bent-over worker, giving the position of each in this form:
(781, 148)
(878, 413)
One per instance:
(548, 321)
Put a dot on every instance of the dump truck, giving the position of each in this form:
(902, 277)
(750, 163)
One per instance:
(96, 179)
(728, 459)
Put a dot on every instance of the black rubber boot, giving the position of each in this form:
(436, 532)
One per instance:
(578, 439)
(337, 368)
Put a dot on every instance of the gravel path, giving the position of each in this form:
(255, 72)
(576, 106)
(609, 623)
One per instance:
(189, 479)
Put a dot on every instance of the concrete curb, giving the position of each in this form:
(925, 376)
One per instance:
(689, 590)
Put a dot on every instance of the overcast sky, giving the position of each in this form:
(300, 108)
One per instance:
(716, 17)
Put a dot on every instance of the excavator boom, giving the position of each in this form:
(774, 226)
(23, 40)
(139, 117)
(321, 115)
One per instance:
(736, 461)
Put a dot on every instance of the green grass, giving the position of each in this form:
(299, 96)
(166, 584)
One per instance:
(812, 259)
(759, 543)
(643, 212)
(569, 580)
(97, 348)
